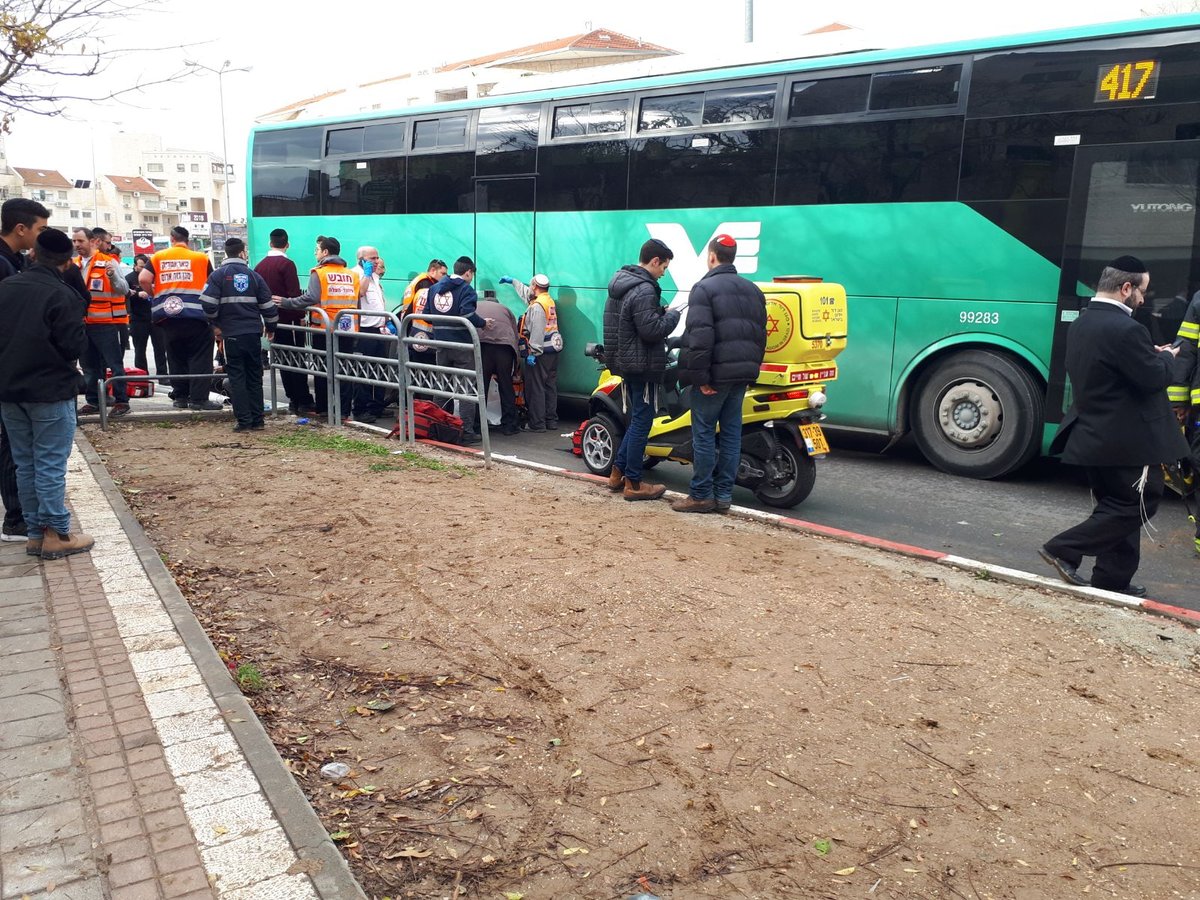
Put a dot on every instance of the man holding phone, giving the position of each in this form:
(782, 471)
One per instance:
(368, 403)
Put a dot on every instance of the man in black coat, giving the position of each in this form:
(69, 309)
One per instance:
(723, 345)
(42, 340)
(636, 326)
(1120, 429)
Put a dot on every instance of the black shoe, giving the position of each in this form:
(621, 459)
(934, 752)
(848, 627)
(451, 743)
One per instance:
(510, 430)
(366, 418)
(471, 438)
(258, 426)
(1065, 570)
(179, 404)
(15, 533)
(1133, 590)
(207, 405)
(240, 427)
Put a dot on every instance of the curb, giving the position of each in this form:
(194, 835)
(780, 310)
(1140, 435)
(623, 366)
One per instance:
(331, 875)
(1000, 573)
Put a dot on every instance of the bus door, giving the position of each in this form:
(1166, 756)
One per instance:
(1137, 199)
(504, 234)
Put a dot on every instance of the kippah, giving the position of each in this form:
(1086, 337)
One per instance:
(541, 281)
(725, 240)
(1130, 264)
(55, 241)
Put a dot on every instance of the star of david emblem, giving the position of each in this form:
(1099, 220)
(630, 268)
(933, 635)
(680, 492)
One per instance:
(772, 325)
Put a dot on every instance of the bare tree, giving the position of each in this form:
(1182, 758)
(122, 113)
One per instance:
(45, 43)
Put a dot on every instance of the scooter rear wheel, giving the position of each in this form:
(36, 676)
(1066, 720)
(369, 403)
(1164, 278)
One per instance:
(599, 442)
(791, 475)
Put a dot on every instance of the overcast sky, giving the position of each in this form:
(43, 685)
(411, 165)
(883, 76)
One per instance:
(294, 55)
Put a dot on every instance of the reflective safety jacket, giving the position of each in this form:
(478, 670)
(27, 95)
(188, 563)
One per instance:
(339, 290)
(414, 302)
(550, 340)
(107, 306)
(179, 278)
(1186, 387)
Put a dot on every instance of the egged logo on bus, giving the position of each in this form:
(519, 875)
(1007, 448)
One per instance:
(689, 266)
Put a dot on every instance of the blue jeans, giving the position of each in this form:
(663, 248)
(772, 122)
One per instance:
(104, 352)
(641, 417)
(715, 457)
(40, 435)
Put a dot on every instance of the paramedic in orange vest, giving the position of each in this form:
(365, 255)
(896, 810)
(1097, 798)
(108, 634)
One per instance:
(332, 286)
(543, 343)
(175, 279)
(106, 315)
(414, 300)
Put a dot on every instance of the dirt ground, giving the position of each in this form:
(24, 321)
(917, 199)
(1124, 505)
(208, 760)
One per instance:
(594, 698)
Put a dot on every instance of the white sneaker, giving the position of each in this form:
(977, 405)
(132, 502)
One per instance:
(13, 535)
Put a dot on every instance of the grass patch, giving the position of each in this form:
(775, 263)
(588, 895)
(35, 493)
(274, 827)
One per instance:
(384, 467)
(165, 425)
(422, 462)
(249, 679)
(317, 440)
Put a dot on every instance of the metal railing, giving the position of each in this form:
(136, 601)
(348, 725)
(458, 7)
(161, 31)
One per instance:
(103, 383)
(446, 382)
(303, 359)
(387, 371)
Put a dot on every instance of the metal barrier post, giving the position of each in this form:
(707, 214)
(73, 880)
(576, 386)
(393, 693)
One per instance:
(369, 369)
(305, 360)
(102, 387)
(447, 382)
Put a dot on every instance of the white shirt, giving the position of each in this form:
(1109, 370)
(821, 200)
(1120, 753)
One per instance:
(372, 299)
(1117, 303)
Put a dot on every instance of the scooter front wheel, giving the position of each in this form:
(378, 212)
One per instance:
(791, 475)
(599, 442)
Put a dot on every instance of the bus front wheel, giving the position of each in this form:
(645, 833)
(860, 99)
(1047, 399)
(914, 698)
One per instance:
(978, 414)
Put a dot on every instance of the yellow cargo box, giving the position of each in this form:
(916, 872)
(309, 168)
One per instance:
(806, 329)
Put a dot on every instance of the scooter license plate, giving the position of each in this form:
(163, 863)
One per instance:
(814, 440)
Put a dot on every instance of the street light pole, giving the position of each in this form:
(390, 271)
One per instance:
(220, 73)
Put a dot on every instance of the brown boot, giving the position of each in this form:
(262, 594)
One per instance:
(691, 504)
(33, 543)
(643, 490)
(56, 546)
(616, 481)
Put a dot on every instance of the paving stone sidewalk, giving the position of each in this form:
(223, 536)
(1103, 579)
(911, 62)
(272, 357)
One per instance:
(130, 767)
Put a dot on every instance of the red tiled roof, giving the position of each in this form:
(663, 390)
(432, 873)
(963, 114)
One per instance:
(300, 104)
(599, 39)
(832, 26)
(132, 183)
(50, 178)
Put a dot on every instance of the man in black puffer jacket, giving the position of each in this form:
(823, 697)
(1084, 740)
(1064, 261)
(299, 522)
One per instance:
(636, 327)
(723, 345)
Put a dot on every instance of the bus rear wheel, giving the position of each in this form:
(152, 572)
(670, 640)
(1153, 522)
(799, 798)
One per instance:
(978, 414)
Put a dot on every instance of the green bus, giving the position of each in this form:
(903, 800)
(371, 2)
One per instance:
(965, 194)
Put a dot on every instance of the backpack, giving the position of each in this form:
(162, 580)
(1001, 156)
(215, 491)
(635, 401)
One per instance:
(435, 424)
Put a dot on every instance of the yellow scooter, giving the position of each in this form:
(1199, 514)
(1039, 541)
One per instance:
(781, 434)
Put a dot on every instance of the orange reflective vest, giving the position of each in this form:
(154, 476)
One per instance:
(415, 298)
(107, 306)
(339, 290)
(551, 340)
(179, 278)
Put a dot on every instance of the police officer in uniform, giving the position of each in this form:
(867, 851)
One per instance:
(238, 303)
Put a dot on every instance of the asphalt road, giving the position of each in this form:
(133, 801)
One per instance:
(900, 497)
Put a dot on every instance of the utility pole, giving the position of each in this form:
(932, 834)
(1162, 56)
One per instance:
(749, 21)
(220, 73)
